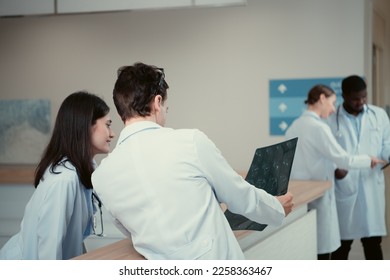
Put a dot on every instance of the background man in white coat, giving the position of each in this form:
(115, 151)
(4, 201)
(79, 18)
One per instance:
(316, 158)
(164, 186)
(360, 193)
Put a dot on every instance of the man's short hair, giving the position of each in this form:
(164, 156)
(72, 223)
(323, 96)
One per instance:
(353, 83)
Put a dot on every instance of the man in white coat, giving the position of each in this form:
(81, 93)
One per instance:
(316, 158)
(164, 186)
(360, 193)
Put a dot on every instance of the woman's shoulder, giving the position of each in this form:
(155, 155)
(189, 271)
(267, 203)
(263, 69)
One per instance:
(307, 120)
(63, 172)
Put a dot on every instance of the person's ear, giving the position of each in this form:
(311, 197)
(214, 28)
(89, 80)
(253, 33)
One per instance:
(322, 97)
(159, 99)
(157, 102)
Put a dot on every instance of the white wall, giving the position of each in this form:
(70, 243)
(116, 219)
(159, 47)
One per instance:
(218, 61)
(381, 37)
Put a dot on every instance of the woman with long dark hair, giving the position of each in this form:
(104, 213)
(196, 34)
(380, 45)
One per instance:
(58, 216)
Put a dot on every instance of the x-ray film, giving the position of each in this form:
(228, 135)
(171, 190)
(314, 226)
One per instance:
(270, 170)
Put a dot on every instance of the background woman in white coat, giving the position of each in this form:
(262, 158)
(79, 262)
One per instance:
(316, 158)
(58, 217)
(360, 195)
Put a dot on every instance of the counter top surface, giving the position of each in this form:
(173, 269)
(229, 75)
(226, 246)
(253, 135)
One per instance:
(303, 192)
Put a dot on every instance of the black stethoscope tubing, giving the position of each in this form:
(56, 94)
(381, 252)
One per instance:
(338, 114)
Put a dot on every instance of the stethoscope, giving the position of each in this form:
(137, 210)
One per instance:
(338, 132)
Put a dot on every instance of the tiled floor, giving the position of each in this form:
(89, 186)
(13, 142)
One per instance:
(358, 254)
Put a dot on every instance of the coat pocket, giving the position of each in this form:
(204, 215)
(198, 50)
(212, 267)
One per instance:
(347, 186)
(192, 250)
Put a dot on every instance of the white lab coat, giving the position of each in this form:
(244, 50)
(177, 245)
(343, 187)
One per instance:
(360, 196)
(316, 158)
(56, 220)
(163, 187)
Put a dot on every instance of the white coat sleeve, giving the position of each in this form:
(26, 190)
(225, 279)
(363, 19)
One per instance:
(120, 227)
(230, 188)
(385, 123)
(54, 215)
(332, 150)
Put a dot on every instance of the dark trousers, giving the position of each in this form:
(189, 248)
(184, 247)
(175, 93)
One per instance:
(371, 246)
(324, 256)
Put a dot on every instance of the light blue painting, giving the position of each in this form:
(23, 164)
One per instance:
(287, 98)
(24, 130)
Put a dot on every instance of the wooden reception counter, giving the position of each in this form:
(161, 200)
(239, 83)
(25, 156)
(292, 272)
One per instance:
(295, 239)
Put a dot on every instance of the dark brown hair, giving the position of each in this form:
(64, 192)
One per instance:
(71, 138)
(353, 83)
(135, 88)
(315, 92)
